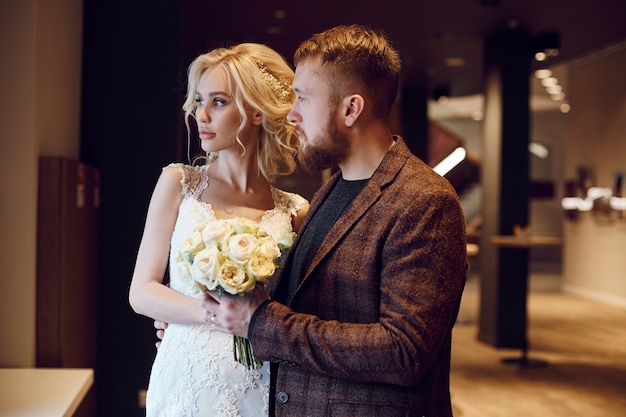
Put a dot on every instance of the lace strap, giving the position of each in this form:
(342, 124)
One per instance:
(194, 179)
(288, 202)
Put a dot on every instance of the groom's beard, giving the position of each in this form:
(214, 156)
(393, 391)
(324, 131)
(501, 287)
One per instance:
(325, 150)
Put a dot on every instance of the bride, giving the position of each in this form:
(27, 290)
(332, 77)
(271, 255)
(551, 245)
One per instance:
(239, 98)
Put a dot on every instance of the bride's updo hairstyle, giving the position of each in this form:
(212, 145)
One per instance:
(259, 80)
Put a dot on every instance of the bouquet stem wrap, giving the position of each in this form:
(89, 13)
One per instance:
(243, 353)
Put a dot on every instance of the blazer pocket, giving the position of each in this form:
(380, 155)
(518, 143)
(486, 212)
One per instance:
(337, 408)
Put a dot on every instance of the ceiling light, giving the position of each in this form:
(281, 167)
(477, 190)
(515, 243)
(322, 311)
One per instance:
(546, 82)
(554, 89)
(558, 96)
(456, 157)
(543, 73)
(539, 150)
(565, 108)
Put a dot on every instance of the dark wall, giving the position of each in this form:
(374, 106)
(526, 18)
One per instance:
(132, 92)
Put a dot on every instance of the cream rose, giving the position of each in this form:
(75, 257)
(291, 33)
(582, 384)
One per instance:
(261, 267)
(234, 280)
(245, 226)
(268, 247)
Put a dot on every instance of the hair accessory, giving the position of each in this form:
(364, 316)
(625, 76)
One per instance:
(280, 87)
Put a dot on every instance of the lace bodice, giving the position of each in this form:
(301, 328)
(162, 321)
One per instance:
(194, 373)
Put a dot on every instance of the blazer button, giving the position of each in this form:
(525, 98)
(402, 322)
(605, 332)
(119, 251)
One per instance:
(282, 397)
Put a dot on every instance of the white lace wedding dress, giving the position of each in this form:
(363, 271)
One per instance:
(194, 373)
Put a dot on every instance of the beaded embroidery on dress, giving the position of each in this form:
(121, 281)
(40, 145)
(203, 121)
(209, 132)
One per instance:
(194, 373)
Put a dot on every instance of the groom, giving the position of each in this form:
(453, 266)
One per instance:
(359, 321)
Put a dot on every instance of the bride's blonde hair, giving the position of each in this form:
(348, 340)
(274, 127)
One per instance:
(259, 80)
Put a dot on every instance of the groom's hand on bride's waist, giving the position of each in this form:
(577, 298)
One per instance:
(160, 326)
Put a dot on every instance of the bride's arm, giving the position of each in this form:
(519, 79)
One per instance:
(148, 296)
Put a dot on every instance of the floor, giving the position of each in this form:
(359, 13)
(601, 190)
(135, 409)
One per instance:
(582, 341)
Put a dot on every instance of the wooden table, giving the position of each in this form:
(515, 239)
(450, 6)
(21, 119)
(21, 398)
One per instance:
(525, 242)
(37, 392)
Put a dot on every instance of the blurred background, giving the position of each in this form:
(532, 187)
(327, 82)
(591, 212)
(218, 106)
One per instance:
(91, 112)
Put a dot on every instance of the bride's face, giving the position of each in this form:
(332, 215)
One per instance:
(216, 113)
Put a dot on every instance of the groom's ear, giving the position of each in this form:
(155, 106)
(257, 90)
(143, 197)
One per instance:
(352, 107)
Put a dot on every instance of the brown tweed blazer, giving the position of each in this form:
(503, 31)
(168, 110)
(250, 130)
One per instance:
(368, 331)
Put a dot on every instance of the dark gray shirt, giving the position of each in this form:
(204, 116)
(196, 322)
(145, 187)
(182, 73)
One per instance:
(323, 219)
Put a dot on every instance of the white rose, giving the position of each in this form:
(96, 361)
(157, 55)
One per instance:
(234, 280)
(216, 231)
(192, 244)
(206, 267)
(241, 247)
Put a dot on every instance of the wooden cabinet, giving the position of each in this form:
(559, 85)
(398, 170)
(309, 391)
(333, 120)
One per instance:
(67, 241)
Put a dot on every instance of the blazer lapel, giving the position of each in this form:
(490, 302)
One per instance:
(384, 174)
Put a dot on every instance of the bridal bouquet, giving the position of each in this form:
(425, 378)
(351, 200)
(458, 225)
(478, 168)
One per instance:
(233, 256)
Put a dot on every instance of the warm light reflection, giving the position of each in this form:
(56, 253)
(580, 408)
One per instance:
(454, 62)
